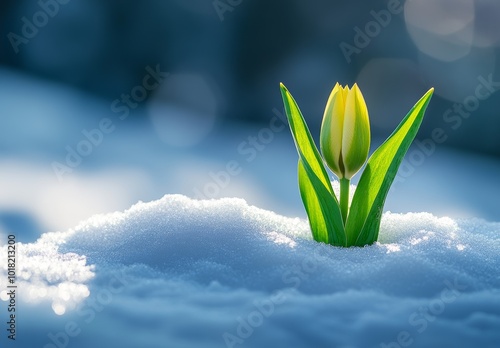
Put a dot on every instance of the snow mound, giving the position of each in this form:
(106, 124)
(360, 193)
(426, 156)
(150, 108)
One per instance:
(242, 246)
(238, 275)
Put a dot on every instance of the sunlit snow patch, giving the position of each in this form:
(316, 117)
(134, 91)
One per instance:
(45, 274)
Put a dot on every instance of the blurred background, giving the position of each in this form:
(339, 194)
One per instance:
(105, 103)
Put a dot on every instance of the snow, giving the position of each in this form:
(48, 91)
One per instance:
(178, 272)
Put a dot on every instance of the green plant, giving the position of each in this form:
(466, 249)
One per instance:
(344, 142)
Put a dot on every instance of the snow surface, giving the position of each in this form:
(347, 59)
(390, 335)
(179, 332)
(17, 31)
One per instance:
(178, 272)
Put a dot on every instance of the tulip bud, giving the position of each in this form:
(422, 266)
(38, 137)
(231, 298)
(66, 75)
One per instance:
(345, 131)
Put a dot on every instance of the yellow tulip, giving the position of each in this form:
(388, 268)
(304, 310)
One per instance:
(345, 131)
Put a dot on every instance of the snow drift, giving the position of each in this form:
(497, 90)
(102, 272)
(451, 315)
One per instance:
(185, 273)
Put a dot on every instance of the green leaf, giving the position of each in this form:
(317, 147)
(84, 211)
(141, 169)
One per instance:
(322, 208)
(363, 222)
(316, 190)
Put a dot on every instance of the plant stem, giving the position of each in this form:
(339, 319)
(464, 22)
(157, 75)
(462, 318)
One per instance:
(344, 198)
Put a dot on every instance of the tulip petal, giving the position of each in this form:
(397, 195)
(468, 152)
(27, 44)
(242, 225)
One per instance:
(356, 132)
(331, 130)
